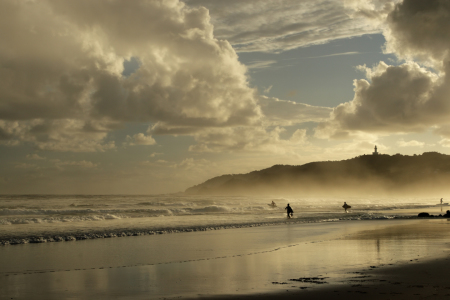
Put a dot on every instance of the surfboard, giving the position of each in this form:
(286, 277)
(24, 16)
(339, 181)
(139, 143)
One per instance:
(346, 206)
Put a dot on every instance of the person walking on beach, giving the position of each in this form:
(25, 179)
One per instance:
(290, 212)
(346, 206)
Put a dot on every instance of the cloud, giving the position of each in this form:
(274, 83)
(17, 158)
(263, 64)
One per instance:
(298, 137)
(252, 139)
(59, 135)
(412, 143)
(140, 139)
(25, 166)
(418, 30)
(191, 163)
(66, 65)
(405, 98)
(445, 143)
(81, 164)
(267, 90)
(35, 157)
(274, 112)
(71, 73)
(185, 170)
(261, 64)
(270, 136)
(286, 113)
(154, 154)
(412, 96)
(275, 26)
(335, 54)
(374, 11)
(363, 145)
(443, 131)
(189, 167)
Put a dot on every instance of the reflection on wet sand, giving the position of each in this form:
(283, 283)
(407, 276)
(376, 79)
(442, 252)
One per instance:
(238, 261)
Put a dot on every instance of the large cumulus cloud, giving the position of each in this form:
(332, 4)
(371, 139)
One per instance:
(64, 87)
(419, 29)
(61, 64)
(409, 97)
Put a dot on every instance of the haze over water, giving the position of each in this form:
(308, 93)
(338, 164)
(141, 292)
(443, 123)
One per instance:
(35, 215)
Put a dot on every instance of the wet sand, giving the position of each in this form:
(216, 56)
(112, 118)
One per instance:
(384, 259)
(421, 277)
(415, 280)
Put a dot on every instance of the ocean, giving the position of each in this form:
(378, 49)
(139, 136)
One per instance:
(51, 218)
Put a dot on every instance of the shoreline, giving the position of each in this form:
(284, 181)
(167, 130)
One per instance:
(79, 234)
(370, 259)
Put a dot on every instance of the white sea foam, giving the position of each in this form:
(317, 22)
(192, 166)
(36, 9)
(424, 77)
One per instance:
(24, 215)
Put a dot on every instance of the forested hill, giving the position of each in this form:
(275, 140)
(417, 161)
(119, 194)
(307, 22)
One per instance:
(426, 174)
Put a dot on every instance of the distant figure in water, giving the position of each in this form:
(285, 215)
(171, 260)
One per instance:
(441, 200)
(346, 206)
(273, 203)
(290, 212)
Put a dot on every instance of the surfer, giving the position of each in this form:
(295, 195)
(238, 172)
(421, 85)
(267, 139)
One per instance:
(272, 205)
(290, 212)
(346, 206)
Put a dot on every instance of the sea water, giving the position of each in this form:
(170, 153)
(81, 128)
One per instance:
(47, 218)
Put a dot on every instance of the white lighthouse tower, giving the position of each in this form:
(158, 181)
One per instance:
(375, 152)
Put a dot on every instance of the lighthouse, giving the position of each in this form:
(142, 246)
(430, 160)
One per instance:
(375, 152)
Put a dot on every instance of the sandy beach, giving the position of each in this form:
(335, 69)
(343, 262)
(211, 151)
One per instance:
(421, 277)
(373, 259)
(414, 280)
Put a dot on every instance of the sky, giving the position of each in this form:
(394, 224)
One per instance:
(155, 96)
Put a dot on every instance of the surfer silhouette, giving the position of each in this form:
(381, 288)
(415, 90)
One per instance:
(346, 206)
(290, 212)
(272, 205)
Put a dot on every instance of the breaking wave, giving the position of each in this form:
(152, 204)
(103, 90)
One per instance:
(27, 217)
